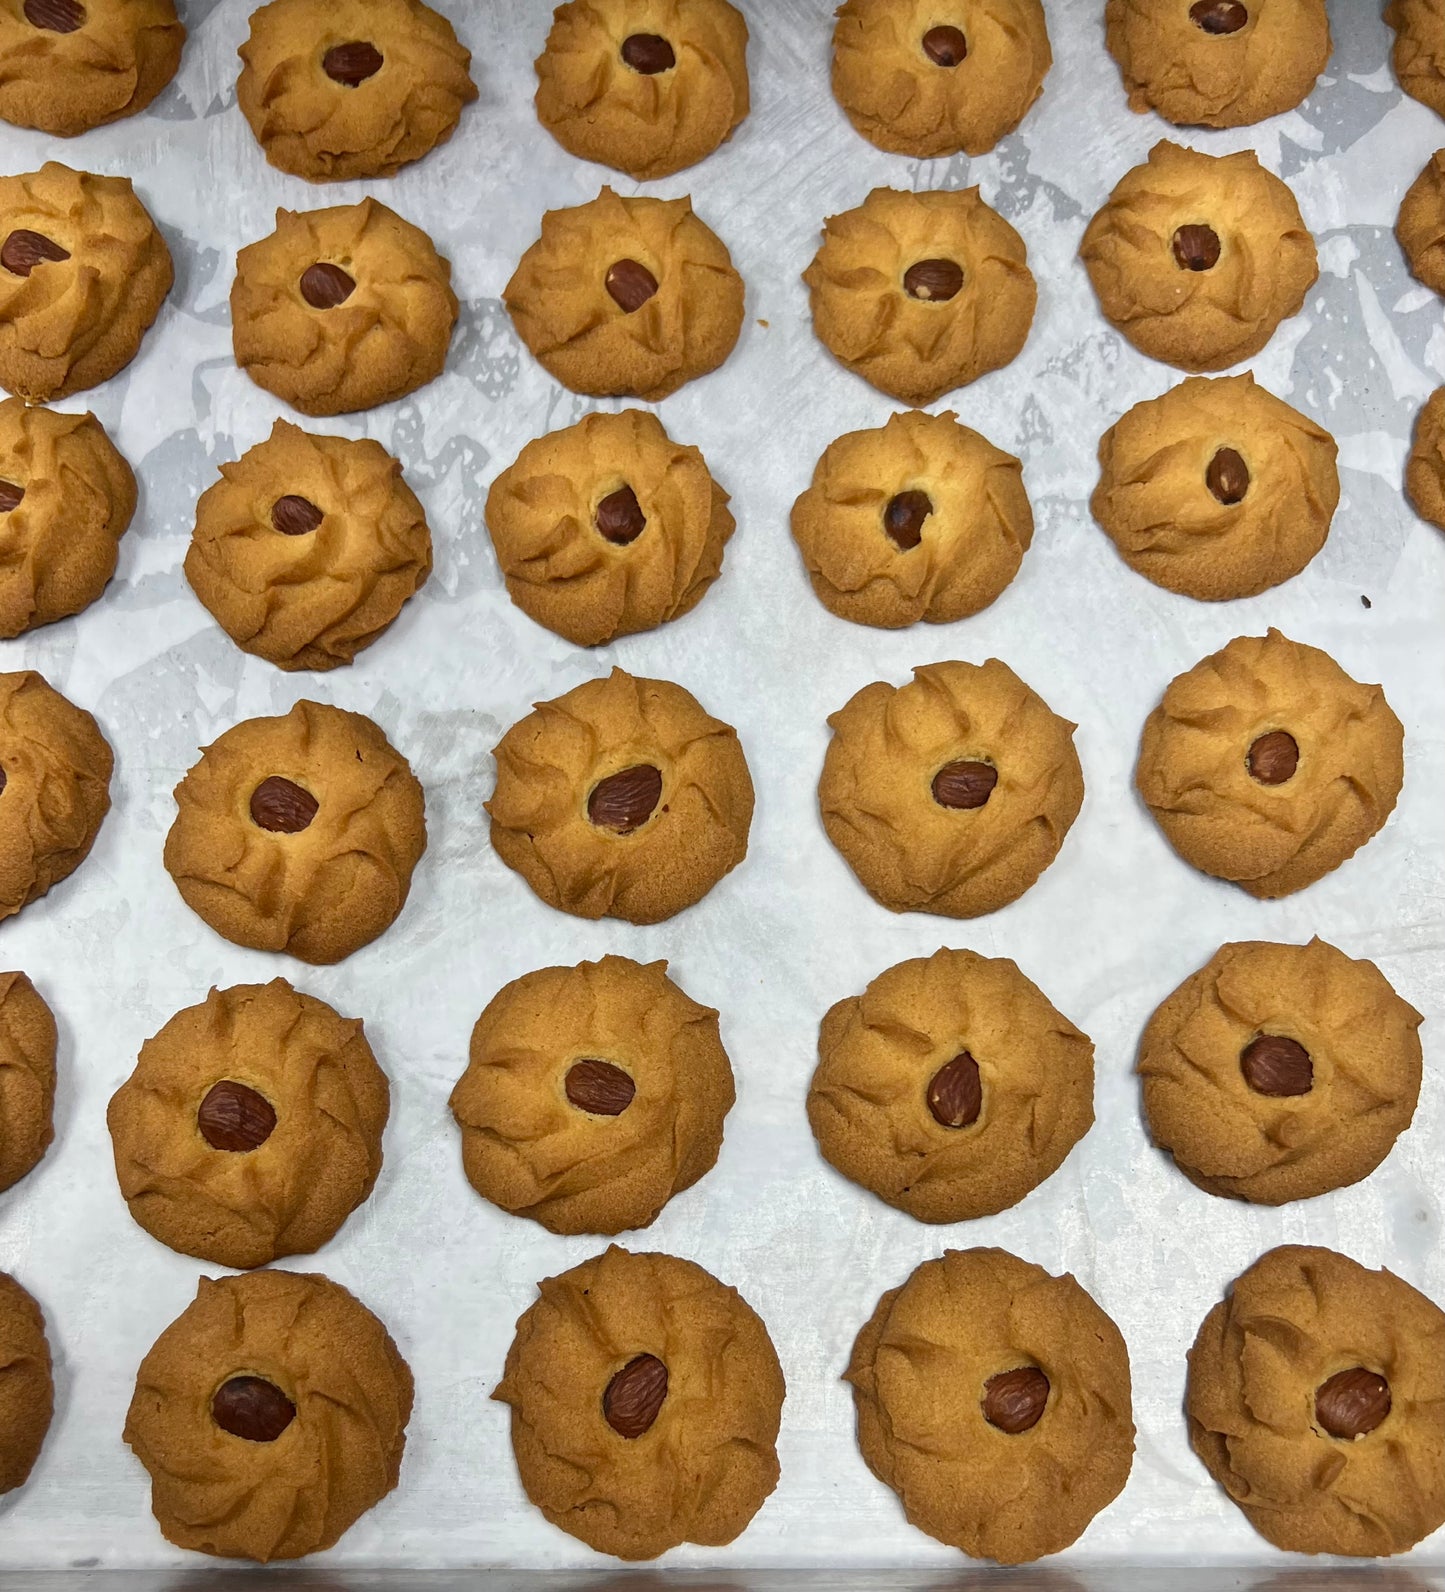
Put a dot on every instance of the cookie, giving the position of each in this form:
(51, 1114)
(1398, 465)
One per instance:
(251, 1126)
(28, 1043)
(1196, 258)
(298, 833)
(919, 293)
(68, 66)
(920, 519)
(83, 274)
(645, 86)
(623, 798)
(994, 1399)
(66, 499)
(1420, 227)
(1425, 466)
(1218, 63)
(951, 1087)
(646, 1397)
(1419, 49)
(1278, 1072)
(1266, 764)
(27, 1390)
(913, 84)
(307, 548)
(342, 309)
(593, 1095)
(1316, 1399)
(271, 1415)
(1217, 489)
(340, 89)
(55, 769)
(950, 794)
(608, 527)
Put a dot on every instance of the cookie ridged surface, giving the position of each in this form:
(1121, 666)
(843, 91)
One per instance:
(702, 1467)
(1420, 226)
(272, 1185)
(27, 1388)
(1419, 49)
(920, 1369)
(1272, 836)
(1294, 1320)
(269, 1496)
(538, 1142)
(1328, 1110)
(1425, 466)
(27, 1077)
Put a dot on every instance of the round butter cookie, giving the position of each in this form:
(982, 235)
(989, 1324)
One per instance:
(28, 1042)
(1420, 227)
(1425, 466)
(27, 1390)
(1419, 53)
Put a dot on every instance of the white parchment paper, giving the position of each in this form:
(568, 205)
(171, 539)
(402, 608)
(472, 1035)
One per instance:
(1108, 932)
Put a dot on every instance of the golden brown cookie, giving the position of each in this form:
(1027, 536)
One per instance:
(251, 1126)
(919, 519)
(339, 89)
(626, 297)
(55, 769)
(1425, 467)
(950, 1087)
(66, 498)
(1278, 1072)
(646, 1397)
(69, 65)
(1197, 258)
(271, 1415)
(593, 1095)
(1419, 53)
(27, 1078)
(919, 293)
(342, 309)
(1268, 765)
(83, 274)
(298, 833)
(645, 86)
(1217, 489)
(1218, 63)
(608, 527)
(622, 799)
(27, 1391)
(307, 547)
(950, 794)
(994, 1399)
(919, 78)
(1317, 1401)
(1421, 224)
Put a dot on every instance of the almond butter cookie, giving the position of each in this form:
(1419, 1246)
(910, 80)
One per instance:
(994, 1399)
(950, 794)
(69, 65)
(645, 86)
(608, 527)
(1316, 1399)
(921, 519)
(1425, 466)
(271, 1415)
(298, 833)
(1217, 489)
(83, 274)
(622, 799)
(342, 309)
(1266, 764)
(1218, 63)
(66, 499)
(919, 293)
(646, 1398)
(1278, 1072)
(27, 1390)
(624, 297)
(1421, 224)
(27, 1078)
(951, 1087)
(251, 1126)
(340, 89)
(916, 78)
(307, 548)
(1420, 49)
(593, 1095)
(55, 769)
(1197, 258)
